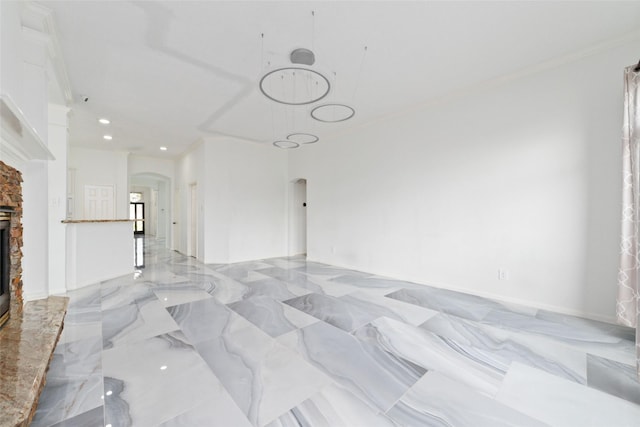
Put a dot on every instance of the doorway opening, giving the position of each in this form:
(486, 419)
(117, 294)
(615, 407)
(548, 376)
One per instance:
(298, 218)
(136, 212)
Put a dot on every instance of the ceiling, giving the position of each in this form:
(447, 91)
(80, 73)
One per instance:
(167, 73)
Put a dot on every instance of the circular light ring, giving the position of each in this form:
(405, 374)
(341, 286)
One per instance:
(303, 138)
(286, 144)
(347, 113)
(311, 99)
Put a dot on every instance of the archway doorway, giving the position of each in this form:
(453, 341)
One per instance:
(155, 190)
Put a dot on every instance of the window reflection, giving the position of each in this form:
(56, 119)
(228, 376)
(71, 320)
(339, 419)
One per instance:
(138, 251)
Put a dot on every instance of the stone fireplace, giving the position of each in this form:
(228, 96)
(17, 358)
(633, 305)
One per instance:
(11, 240)
(32, 329)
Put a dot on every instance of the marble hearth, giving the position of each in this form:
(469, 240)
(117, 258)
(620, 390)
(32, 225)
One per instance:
(27, 342)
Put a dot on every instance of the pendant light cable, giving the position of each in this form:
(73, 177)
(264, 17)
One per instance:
(355, 90)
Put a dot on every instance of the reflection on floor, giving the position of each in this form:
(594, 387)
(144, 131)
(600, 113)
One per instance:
(286, 342)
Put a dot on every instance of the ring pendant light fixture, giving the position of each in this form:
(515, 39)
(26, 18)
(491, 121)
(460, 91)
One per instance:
(299, 85)
(332, 113)
(303, 138)
(286, 144)
(294, 86)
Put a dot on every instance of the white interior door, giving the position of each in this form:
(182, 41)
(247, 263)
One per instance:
(99, 202)
(298, 218)
(192, 243)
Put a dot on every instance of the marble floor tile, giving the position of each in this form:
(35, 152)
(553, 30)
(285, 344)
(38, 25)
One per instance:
(84, 299)
(316, 268)
(274, 288)
(179, 295)
(373, 283)
(590, 326)
(263, 377)
(252, 344)
(91, 418)
(559, 402)
(389, 307)
(74, 382)
(116, 296)
(153, 381)
(341, 313)
(510, 346)
(287, 263)
(465, 306)
(375, 376)
(82, 324)
(333, 406)
(216, 409)
(287, 275)
(204, 319)
(135, 322)
(436, 400)
(615, 378)
(480, 370)
(586, 340)
(313, 283)
(271, 316)
(225, 289)
(240, 270)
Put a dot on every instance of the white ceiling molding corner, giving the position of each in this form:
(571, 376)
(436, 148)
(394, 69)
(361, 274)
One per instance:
(39, 25)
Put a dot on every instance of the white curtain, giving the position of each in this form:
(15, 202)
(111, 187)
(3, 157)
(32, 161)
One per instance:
(628, 302)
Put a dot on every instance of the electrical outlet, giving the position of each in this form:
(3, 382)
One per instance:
(503, 274)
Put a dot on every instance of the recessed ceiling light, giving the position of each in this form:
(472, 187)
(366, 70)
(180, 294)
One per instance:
(163, 148)
(104, 121)
(108, 137)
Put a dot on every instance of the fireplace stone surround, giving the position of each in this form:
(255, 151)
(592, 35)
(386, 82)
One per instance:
(11, 200)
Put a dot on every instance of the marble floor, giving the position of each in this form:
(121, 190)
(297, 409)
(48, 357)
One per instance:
(288, 342)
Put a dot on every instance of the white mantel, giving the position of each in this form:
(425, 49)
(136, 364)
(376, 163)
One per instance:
(19, 141)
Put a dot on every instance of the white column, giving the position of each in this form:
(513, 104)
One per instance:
(35, 263)
(57, 187)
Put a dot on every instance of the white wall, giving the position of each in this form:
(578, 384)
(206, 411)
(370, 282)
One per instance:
(242, 206)
(524, 176)
(246, 193)
(100, 167)
(190, 169)
(151, 165)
